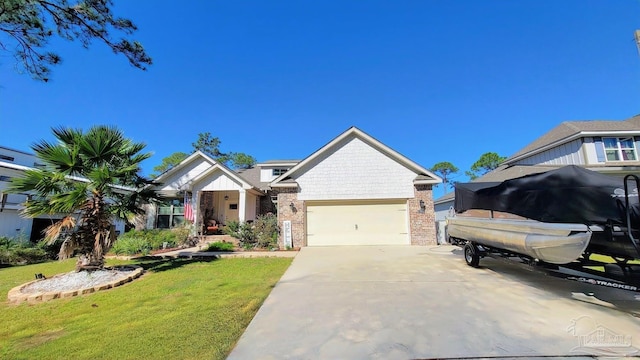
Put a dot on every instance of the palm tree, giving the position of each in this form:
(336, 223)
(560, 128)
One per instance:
(90, 178)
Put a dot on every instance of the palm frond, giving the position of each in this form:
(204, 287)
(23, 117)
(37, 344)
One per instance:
(52, 232)
(78, 180)
(67, 136)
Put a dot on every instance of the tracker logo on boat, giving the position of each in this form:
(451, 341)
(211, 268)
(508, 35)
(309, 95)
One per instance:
(604, 283)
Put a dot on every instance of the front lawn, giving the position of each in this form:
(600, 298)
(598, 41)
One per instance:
(180, 309)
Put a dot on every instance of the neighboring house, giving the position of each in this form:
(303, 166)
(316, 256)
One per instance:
(608, 147)
(12, 164)
(352, 191)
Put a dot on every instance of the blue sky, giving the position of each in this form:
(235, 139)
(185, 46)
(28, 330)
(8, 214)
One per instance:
(434, 80)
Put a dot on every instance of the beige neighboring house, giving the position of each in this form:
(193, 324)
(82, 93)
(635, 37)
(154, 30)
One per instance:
(606, 146)
(352, 191)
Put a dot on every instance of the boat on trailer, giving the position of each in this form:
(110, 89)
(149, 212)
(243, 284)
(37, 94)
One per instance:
(554, 219)
(552, 243)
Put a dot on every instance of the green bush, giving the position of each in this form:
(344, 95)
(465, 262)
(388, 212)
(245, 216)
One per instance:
(181, 234)
(232, 228)
(158, 237)
(20, 251)
(263, 233)
(131, 246)
(247, 235)
(144, 241)
(241, 231)
(267, 230)
(220, 246)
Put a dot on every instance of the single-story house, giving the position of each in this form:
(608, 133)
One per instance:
(352, 191)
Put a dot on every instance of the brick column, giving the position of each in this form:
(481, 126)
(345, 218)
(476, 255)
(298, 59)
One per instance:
(422, 226)
(286, 197)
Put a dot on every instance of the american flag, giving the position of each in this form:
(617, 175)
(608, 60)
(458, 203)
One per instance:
(188, 207)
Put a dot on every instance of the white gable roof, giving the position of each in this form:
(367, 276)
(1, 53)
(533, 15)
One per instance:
(194, 169)
(421, 174)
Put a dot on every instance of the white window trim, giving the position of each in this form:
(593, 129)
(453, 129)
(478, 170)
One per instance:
(619, 149)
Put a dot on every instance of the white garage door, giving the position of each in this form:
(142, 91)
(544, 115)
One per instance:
(357, 223)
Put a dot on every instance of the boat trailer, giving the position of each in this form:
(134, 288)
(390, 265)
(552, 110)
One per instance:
(619, 275)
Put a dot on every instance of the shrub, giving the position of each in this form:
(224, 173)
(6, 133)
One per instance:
(20, 251)
(263, 233)
(220, 246)
(267, 230)
(157, 238)
(181, 234)
(144, 241)
(232, 228)
(243, 232)
(131, 246)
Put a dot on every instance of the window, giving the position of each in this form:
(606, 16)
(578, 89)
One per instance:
(5, 178)
(620, 149)
(171, 213)
(5, 157)
(278, 172)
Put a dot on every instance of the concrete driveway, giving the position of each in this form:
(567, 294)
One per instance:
(425, 302)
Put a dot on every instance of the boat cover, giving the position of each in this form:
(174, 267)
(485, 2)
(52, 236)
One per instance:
(570, 194)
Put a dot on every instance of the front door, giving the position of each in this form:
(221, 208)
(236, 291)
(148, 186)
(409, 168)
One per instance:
(231, 210)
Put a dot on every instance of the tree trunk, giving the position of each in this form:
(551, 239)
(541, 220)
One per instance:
(89, 262)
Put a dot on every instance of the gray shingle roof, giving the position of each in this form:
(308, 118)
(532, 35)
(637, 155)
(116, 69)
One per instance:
(252, 176)
(570, 128)
(279, 162)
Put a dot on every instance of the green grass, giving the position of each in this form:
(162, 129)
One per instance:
(180, 309)
(220, 246)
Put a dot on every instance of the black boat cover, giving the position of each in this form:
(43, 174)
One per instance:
(570, 194)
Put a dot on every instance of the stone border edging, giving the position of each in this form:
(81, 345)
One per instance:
(239, 254)
(16, 296)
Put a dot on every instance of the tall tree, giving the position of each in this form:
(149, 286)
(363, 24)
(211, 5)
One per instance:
(445, 170)
(242, 161)
(169, 162)
(90, 177)
(209, 145)
(487, 162)
(29, 25)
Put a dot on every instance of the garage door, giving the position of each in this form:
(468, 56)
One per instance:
(357, 223)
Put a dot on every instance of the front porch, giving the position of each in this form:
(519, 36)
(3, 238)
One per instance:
(221, 207)
(201, 191)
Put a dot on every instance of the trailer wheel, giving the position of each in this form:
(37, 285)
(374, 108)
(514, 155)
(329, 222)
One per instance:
(471, 255)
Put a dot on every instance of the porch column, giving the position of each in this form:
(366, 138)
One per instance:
(195, 205)
(242, 206)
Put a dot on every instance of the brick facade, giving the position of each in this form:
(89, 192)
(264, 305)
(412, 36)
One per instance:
(422, 225)
(297, 215)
